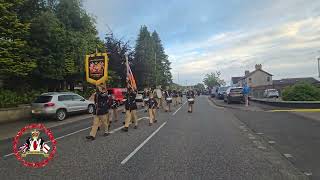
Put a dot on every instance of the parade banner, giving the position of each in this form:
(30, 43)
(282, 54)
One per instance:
(96, 67)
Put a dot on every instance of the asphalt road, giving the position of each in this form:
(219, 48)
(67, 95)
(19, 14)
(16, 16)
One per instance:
(210, 143)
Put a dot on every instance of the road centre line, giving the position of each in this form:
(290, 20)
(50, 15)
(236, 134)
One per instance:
(69, 134)
(179, 108)
(142, 144)
(146, 140)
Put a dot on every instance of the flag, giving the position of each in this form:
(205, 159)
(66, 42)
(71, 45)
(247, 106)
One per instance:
(130, 78)
(45, 148)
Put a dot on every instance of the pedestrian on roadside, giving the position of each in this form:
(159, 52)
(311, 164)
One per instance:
(246, 91)
(101, 110)
(152, 104)
(131, 109)
(190, 97)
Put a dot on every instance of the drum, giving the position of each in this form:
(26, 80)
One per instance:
(191, 101)
(169, 100)
(146, 99)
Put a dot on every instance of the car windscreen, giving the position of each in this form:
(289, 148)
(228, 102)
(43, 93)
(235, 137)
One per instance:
(43, 99)
(222, 89)
(236, 90)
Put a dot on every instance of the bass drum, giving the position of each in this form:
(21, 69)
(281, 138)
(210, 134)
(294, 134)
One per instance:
(191, 101)
(169, 100)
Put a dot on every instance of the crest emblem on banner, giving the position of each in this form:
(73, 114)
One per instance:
(96, 67)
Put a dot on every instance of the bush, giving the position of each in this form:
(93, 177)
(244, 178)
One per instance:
(301, 92)
(13, 98)
(86, 94)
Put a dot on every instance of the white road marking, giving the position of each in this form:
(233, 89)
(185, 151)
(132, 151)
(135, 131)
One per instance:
(142, 144)
(112, 131)
(288, 155)
(179, 108)
(271, 142)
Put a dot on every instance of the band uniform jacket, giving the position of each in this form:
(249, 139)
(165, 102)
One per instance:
(152, 103)
(130, 103)
(101, 101)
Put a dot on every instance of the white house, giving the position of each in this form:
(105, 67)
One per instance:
(256, 78)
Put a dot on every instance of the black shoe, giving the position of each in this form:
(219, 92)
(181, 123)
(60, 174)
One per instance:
(135, 127)
(125, 129)
(90, 138)
(150, 124)
(155, 121)
(145, 110)
(98, 129)
(106, 134)
(124, 123)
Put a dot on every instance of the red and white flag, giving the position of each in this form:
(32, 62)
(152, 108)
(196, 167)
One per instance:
(130, 78)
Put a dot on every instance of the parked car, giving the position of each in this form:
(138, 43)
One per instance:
(271, 93)
(118, 93)
(139, 96)
(221, 91)
(234, 94)
(213, 92)
(60, 105)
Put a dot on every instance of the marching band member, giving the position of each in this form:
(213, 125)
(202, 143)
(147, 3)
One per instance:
(114, 106)
(145, 98)
(101, 115)
(175, 98)
(152, 104)
(190, 97)
(159, 96)
(167, 95)
(180, 95)
(131, 109)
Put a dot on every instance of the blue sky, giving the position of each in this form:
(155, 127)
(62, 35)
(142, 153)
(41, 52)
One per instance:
(229, 36)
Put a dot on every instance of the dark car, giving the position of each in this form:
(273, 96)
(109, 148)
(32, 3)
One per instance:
(234, 94)
(221, 91)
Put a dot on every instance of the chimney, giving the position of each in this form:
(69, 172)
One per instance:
(258, 66)
(246, 73)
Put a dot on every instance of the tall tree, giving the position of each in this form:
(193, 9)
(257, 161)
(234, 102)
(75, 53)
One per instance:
(14, 61)
(162, 73)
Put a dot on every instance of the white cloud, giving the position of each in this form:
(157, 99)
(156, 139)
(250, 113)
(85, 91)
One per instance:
(285, 50)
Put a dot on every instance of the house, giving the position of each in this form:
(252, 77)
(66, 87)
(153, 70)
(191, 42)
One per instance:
(256, 78)
(292, 81)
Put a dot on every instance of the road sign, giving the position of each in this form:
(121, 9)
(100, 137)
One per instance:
(96, 67)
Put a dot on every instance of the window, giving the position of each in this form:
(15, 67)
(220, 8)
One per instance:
(268, 78)
(65, 98)
(43, 99)
(76, 98)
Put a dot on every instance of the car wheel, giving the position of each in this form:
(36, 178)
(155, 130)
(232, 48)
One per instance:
(90, 109)
(61, 114)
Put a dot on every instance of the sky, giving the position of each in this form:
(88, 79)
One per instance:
(229, 36)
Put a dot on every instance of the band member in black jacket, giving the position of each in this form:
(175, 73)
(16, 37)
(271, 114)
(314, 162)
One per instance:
(100, 113)
(180, 95)
(168, 97)
(152, 105)
(175, 97)
(190, 97)
(131, 109)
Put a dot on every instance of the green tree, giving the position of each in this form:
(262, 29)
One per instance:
(200, 87)
(162, 73)
(14, 60)
(213, 79)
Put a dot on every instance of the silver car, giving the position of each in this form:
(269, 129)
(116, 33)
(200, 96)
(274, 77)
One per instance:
(60, 104)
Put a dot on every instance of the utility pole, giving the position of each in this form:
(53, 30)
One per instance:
(155, 67)
(319, 66)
